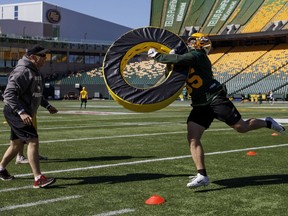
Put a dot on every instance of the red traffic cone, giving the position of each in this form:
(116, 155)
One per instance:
(155, 200)
(275, 134)
(251, 153)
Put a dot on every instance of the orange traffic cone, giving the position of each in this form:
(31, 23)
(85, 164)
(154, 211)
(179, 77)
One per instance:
(275, 134)
(251, 153)
(155, 200)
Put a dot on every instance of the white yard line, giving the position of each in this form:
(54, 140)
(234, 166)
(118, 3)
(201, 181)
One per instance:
(100, 126)
(152, 160)
(111, 213)
(141, 162)
(15, 189)
(39, 203)
(122, 211)
(128, 135)
(119, 136)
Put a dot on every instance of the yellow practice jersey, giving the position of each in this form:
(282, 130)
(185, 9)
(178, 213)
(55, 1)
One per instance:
(83, 94)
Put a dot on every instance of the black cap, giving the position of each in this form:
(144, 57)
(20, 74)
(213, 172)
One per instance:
(36, 50)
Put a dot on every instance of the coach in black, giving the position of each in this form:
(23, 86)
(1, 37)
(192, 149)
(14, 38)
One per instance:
(22, 97)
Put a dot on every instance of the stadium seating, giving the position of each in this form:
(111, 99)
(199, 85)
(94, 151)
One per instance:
(268, 10)
(245, 10)
(244, 69)
(282, 14)
(217, 53)
(144, 73)
(236, 61)
(268, 72)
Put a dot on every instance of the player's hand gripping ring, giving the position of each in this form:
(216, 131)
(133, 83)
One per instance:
(126, 47)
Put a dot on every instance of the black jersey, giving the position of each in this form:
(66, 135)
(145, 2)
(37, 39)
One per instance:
(200, 84)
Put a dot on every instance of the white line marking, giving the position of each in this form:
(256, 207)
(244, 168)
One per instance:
(139, 162)
(122, 211)
(103, 125)
(153, 160)
(39, 203)
(94, 113)
(15, 189)
(120, 136)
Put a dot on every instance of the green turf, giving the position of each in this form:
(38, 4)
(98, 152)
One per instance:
(92, 156)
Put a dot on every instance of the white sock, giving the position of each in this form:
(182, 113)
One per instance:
(37, 178)
(1, 168)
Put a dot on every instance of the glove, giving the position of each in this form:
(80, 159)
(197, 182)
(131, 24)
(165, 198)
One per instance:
(172, 51)
(152, 52)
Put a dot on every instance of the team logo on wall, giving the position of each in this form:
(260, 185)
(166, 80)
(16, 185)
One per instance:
(53, 16)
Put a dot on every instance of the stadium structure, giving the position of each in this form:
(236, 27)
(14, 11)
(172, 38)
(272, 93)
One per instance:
(78, 43)
(249, 55)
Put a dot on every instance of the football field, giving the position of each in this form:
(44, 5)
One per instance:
(108, 161)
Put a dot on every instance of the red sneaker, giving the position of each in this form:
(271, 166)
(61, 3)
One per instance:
(43, 182)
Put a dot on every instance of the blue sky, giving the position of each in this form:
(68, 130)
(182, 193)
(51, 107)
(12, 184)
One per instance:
(130, 13)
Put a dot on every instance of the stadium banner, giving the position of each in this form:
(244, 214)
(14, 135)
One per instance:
(175, 13)
(220, 15)
(133, 43)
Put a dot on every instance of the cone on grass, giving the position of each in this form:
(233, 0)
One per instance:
(251, 153)
(155, 200)
(275, 134)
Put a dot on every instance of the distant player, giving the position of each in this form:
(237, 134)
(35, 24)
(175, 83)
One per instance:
(209, 101)
(83, 97)
(271, 98)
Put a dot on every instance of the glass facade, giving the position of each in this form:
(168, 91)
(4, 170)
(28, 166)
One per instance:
(16, 12)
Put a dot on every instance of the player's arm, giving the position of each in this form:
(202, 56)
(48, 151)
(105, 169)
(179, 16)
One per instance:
(184, 59)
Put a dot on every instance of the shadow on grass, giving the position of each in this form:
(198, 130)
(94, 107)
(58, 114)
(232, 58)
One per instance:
(104, 158)
(249, 181)
(116, 179)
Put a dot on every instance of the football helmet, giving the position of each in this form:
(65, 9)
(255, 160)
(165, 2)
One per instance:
(200, 41)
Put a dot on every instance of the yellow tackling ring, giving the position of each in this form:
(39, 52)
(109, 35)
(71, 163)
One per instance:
(125, 48)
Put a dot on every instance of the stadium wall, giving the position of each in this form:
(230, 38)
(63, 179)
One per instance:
(65, 24)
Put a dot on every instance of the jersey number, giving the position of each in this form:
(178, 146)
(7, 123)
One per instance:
(193, 81)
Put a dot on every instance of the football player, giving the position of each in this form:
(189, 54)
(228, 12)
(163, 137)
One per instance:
(209, 101)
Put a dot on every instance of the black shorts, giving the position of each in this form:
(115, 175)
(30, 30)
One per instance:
(220, 108)
(83, 100)
(18, 129)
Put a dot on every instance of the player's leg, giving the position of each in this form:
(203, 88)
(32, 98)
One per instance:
(40, 180)
(195, 132)
(9, 154)
(32, 154)
(198, 121)
(20, 158)
(251, 124)
(225, 111)
(254, 124)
